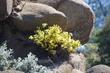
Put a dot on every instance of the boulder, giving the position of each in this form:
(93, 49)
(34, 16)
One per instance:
(79, 15)
(99, 69)
(34, 14)
(66, 68)
(11, 71)
(80, 18)
(75, 64)
(5, 8)
(78, 61)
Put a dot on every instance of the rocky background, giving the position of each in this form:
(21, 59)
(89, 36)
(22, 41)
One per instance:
(19, 19)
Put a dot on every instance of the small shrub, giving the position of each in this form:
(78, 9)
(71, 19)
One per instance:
(5, 57)
(54, 38)
(27, 65)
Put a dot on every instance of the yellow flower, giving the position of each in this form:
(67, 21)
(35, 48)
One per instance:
(53, 37)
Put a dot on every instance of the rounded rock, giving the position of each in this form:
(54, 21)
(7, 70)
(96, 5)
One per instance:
(80, 18)
(34, 14)
(99, 69)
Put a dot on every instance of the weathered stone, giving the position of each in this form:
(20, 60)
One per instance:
(64, 68)
(75, 64)
(5, 8)
(77, 61)
(11, 71)
(99, 69)
(34, 14)
(76, 71)
(80, 18)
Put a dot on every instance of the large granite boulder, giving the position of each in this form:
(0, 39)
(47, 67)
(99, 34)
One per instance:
(34, 14)
(11, 71)
(5, 8)
(99, 69)
(80, 16)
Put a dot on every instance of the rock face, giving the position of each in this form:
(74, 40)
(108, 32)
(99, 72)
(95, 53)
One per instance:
(5, 8)
(11, 71)
(99, 69)
(34, 14)
(80, 16)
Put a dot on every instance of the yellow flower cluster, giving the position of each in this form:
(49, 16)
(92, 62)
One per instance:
(54, 37)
